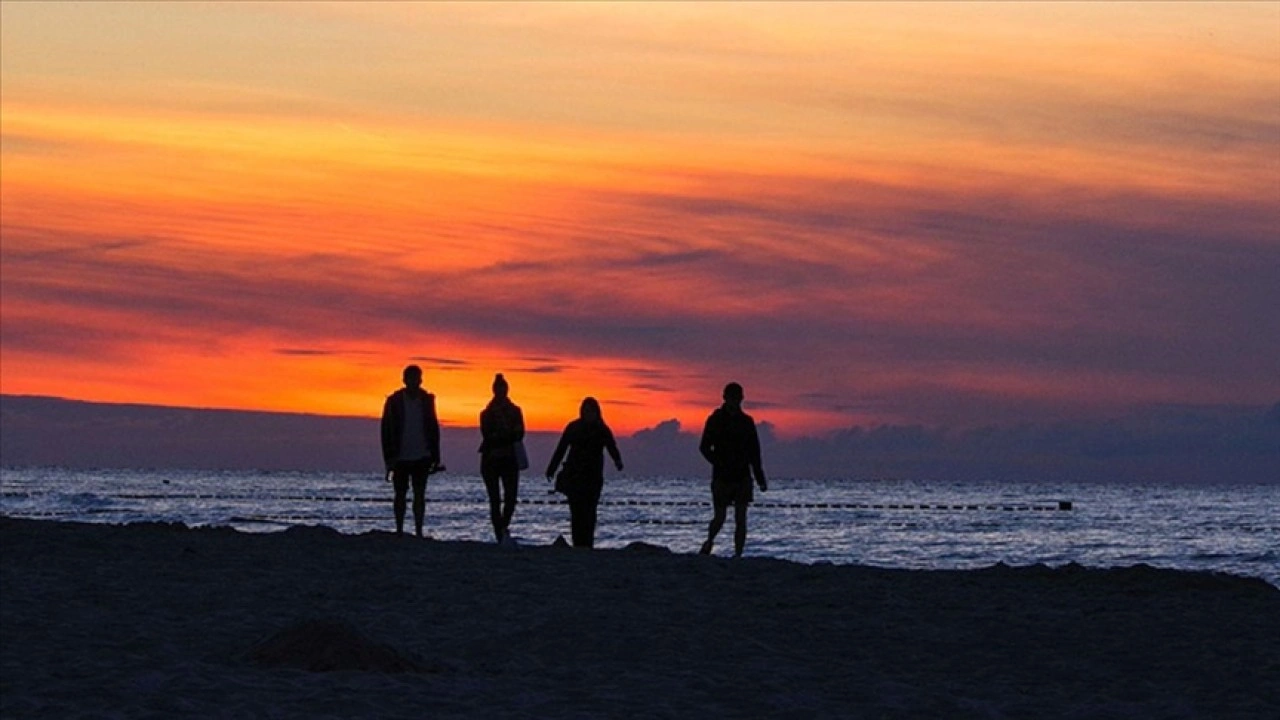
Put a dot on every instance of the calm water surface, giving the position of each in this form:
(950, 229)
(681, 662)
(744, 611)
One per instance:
(1231, 528)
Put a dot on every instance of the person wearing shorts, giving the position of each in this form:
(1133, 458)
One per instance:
(410, 445)
(731, 444)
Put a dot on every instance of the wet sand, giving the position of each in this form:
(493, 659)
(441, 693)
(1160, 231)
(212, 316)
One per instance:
(148, 620)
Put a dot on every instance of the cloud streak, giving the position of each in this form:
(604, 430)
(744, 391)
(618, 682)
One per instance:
(929, 225)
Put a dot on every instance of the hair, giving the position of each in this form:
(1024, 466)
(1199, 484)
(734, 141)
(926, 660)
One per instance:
(499, 383)
(590, 410)
(733, 391)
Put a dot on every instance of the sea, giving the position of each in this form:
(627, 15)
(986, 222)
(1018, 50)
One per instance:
(1231, 528)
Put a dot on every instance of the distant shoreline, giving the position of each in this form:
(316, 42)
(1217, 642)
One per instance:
(158, 618)
(1238, 444)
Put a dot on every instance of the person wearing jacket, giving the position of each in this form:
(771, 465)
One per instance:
(582, 478)
(732, 446)
(502, 437)
(410, 445)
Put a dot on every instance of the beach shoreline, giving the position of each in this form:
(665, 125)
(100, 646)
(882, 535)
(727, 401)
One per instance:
(161, 620)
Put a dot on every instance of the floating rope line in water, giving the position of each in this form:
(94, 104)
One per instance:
(294, 518)
(1005, 507)
(1059, 505)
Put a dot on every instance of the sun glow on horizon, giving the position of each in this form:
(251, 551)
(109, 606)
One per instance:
(865, 213)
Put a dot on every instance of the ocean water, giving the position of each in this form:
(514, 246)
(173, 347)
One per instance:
(1228, 528)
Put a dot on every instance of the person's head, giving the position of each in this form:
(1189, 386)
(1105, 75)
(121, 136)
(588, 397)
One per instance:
(412, 376)
(500, 387)
(733, 394)
(590, 410)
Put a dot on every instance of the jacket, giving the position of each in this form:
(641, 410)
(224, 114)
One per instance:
(732, 446)
(501, 427)
(393, 424)
(585, 442)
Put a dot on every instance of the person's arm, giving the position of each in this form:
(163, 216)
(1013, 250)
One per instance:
(561, 448)
(518, 431)
(612, 446)
(757, 465)
(432, 424)
(707, 446)
(390, 435)
(484, 431)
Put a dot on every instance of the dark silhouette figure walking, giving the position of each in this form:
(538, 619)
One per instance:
(410, 445)
(732, 446)
(502, 437)
(582, 478)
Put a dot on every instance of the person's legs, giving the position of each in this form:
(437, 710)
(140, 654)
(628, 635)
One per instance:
(400, 481)
(510, 493)
(582, 516)
(739, 527)
(577, 521)
(419, 498)
(489, 472)
(589, 522)
(717, 522)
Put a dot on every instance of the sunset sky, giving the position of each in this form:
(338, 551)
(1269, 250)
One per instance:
(936, 213)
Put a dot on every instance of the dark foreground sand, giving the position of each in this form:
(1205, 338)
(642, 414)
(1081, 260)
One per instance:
(161, 621)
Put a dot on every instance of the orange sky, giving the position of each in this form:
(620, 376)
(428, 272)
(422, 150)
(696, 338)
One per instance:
(936, 213)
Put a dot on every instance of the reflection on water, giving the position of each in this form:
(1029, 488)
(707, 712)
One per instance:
(891, 524)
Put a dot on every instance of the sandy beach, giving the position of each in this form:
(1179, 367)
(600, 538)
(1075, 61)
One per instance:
(163, 621)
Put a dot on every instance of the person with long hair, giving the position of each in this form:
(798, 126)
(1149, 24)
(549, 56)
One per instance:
(502, 437)
(585, 441)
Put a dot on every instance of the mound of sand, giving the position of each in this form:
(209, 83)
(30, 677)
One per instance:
(326, 645)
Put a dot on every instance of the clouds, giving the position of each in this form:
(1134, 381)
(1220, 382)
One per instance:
(1162, 445)
(931, 302)
(1158, 445)
(867, 215)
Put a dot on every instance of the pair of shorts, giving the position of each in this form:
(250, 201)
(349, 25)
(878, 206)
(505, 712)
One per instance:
(732, 492)
(406, 471)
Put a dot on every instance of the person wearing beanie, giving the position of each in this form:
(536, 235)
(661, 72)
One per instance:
(502, 456)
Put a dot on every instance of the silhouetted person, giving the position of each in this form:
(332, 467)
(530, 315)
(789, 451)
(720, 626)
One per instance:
(732, 446)
(501, 428)
(585, 439)
(410, 444)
